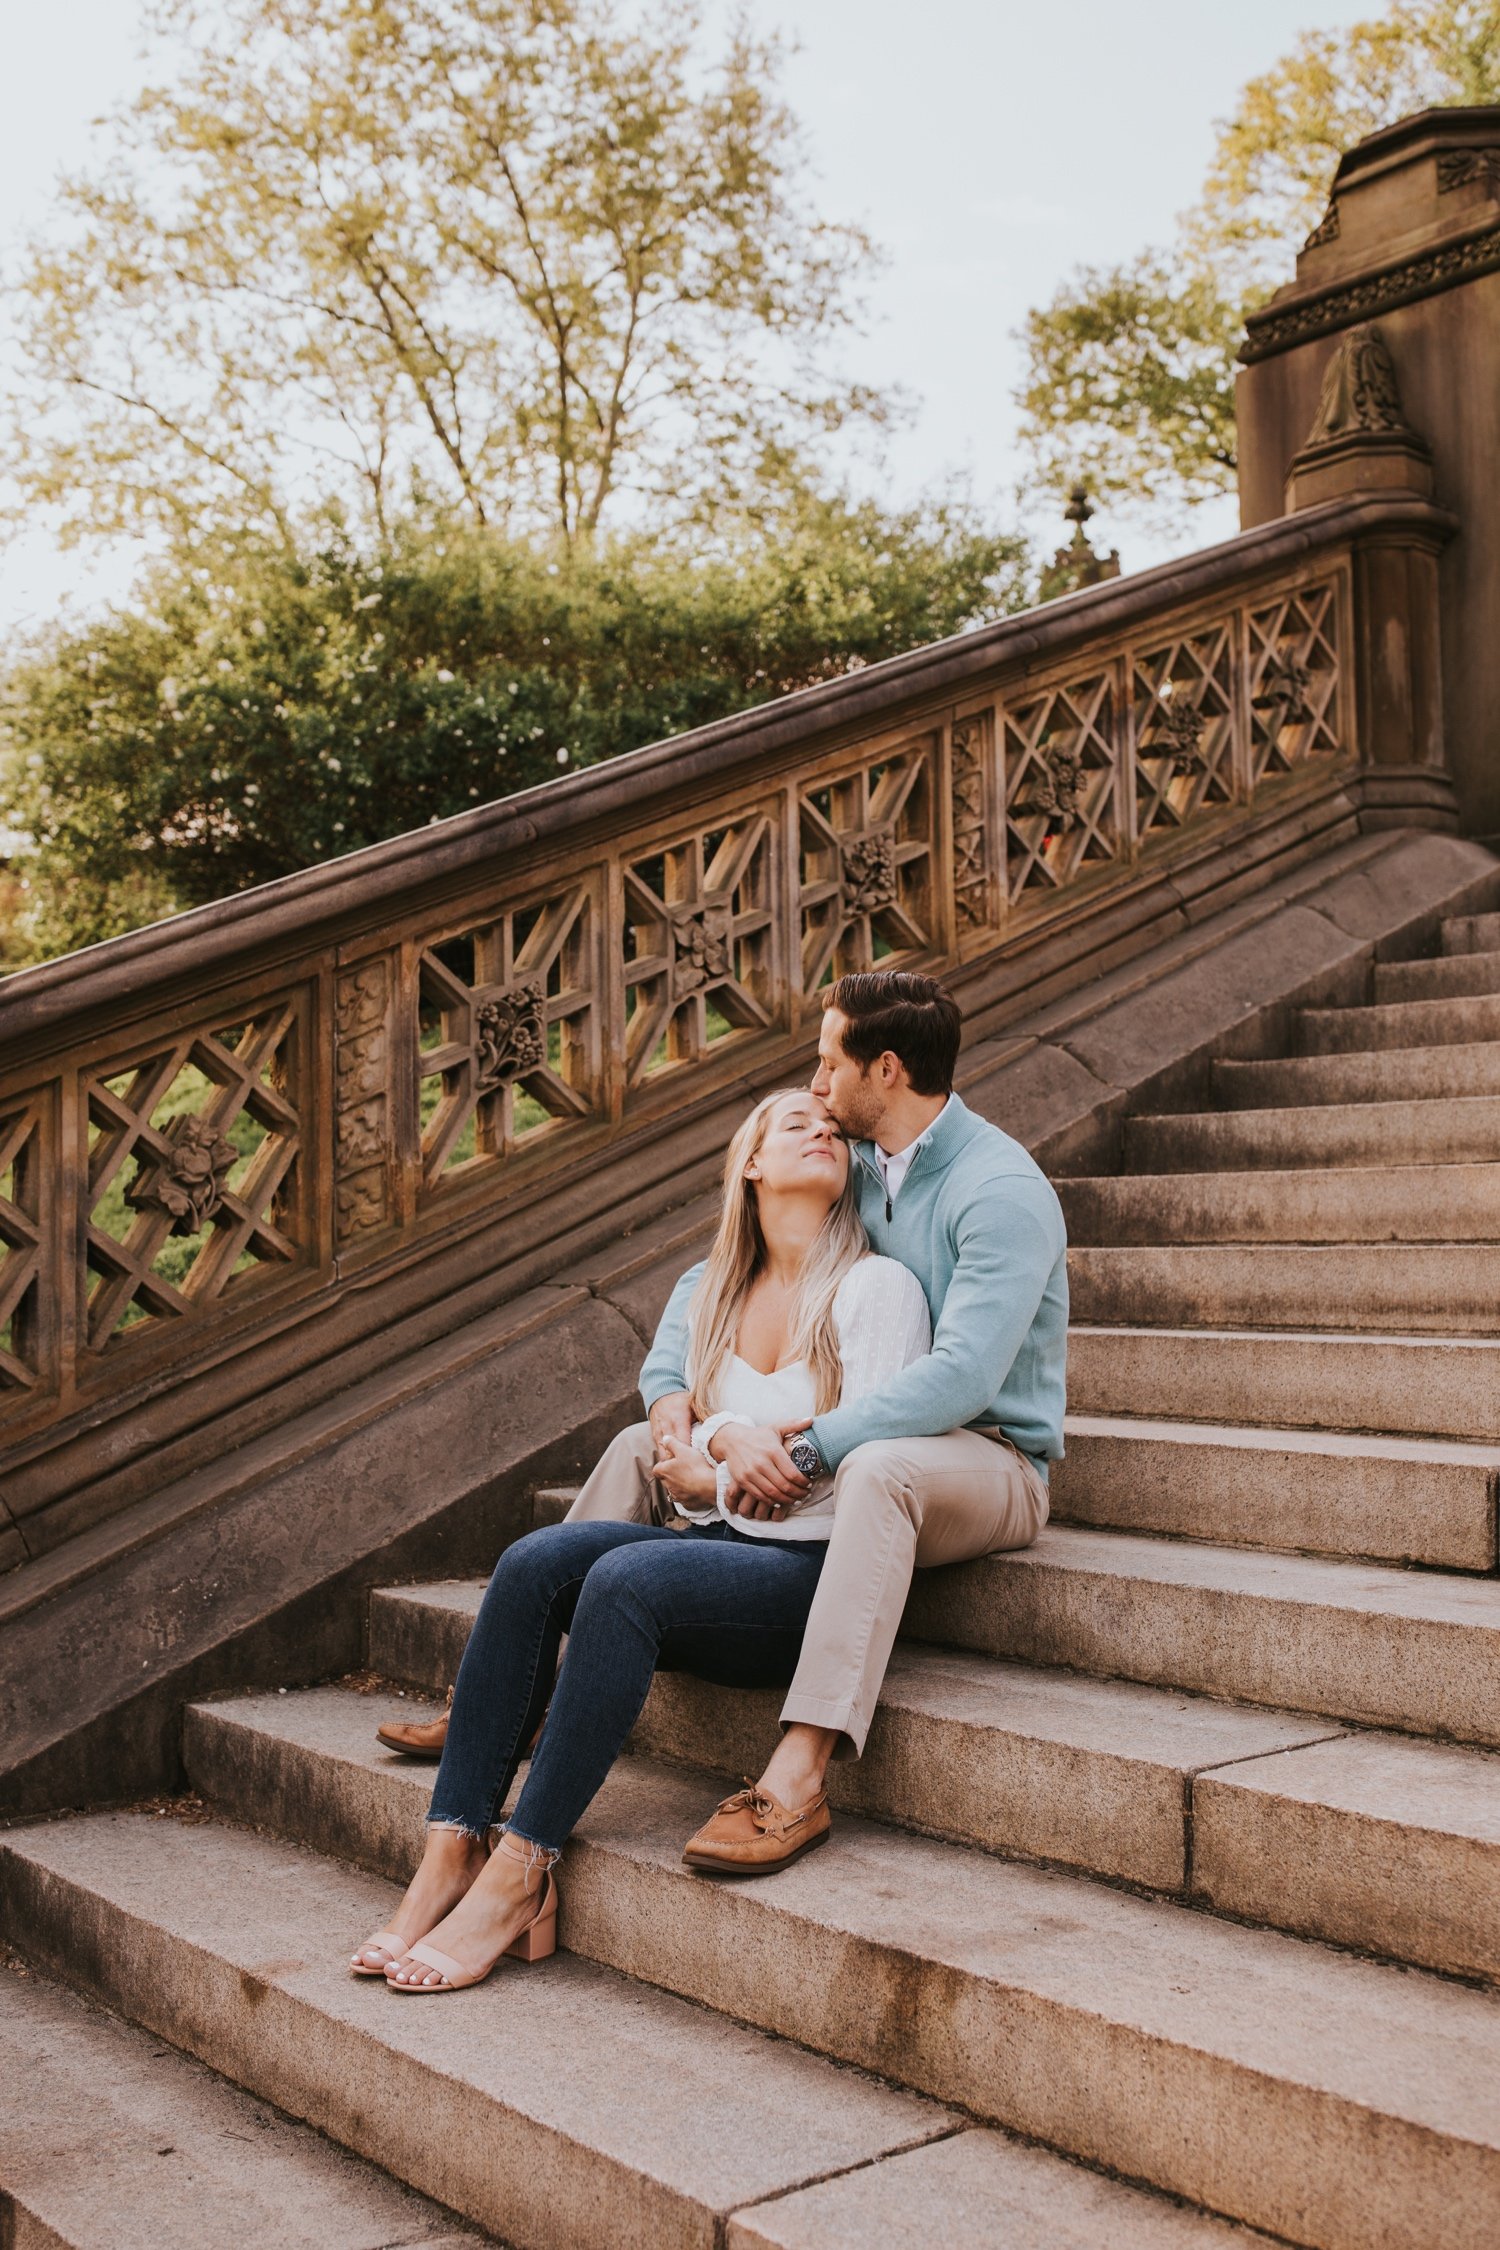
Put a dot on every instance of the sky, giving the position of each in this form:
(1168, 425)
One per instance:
(991, 146)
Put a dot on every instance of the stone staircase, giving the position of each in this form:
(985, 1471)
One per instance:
(1165, 1905)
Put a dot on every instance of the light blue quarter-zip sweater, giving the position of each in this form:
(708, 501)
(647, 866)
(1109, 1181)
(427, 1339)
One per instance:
(979, 1225)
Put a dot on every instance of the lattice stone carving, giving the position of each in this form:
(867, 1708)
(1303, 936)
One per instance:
(1295, 685)
(867, 869)
(509, 1031)
(969, 764)
(211, 1129)
(1184, 727)
(699, 938)
(20, 1247)
(1061, 764)
(362, 1061)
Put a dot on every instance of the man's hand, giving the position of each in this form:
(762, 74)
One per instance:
(671, 1417)
(764, 1482)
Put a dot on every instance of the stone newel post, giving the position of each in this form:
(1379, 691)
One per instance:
(1378, 370)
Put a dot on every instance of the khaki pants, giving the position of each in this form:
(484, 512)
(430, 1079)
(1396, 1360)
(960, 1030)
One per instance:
(902, 1505)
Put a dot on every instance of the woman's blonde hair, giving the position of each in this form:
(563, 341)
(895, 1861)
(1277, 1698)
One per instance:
(739, 1255)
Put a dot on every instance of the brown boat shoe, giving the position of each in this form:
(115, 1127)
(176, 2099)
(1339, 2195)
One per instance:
(417, 1738)
(753, 1833)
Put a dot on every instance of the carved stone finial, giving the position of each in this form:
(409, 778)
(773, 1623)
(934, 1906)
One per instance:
(510, 1037)
(1360, 439)
(1077, 564)
(188, 1182)
(869, 872)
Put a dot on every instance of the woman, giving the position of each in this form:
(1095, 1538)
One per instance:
(791, 1315)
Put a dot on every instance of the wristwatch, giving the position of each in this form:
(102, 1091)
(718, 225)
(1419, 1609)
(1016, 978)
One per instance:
(806, 1457)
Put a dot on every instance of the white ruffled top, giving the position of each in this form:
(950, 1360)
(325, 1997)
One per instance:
(883, 1325)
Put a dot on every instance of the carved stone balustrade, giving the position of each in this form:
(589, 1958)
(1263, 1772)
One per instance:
(248, 1140)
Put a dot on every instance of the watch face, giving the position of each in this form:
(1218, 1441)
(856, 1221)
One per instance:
(806, 1457)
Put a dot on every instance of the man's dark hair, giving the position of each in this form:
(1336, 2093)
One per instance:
(890, 1011)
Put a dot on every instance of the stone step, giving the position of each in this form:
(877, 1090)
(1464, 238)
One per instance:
(1348, 1134)
(968, 1749)
(1411, 1500)
(1419, 1386)
(1415, 1651)
(978, 2187)
(1388, 1074)
(1472, 933)
(562, 2105)
(1372, 1840)
(112, 2141)
(1451, 976)
(1423, 1288)
(1399, 1023)
(1323, 2098)
(1452, 1203)
(1089, 1774)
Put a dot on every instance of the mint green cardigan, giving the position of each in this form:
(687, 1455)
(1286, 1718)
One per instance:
(980, 1227)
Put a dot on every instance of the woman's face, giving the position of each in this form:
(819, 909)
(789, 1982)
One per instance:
(802, 1152)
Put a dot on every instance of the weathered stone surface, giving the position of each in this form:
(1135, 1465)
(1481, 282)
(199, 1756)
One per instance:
(1399, 1074)
(1410, 1649)
(1397, 1203)
(1472, 933)
(1374, 1840)
(1453, 977)
(1407, 888)
(1445, 1387)
(1178, 1015)
(978, 2187)
(1319, 2097)
(1320, 1491)
(1400, 1023)
(1413, 1288)
(1088, 1773)
(109, 2140)
(1454, 1131)
(268, 1580)
(549, 2105)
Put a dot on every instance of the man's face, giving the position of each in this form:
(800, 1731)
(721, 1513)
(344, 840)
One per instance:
(851, 1094)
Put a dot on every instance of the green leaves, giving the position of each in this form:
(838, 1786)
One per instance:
(263, 711)
(1130, 371)
(512, 254)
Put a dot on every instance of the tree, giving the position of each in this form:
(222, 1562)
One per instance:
(256, 712)
(519, 260)
(1130, 371)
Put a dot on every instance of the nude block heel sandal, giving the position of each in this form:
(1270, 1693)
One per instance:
(385, 1941)
(537, 1942)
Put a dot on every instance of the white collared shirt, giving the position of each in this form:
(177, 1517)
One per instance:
(893, 1169)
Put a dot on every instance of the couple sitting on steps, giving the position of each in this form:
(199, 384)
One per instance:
(865, 1374)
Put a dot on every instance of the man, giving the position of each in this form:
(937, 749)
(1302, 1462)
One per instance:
(950, 1462)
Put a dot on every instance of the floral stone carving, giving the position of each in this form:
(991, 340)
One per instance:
(1282, 694)
(869, 872)
(1057, 789)
(510, 1037)
(701, 949)
(188, 1182)
(1179, 729)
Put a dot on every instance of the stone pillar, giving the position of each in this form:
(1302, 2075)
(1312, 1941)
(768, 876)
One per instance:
(1378, 368)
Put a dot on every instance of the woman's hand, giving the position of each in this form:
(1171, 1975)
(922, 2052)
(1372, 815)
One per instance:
(685, 1475)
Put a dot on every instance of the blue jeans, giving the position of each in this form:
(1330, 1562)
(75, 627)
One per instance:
(632, 1598)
